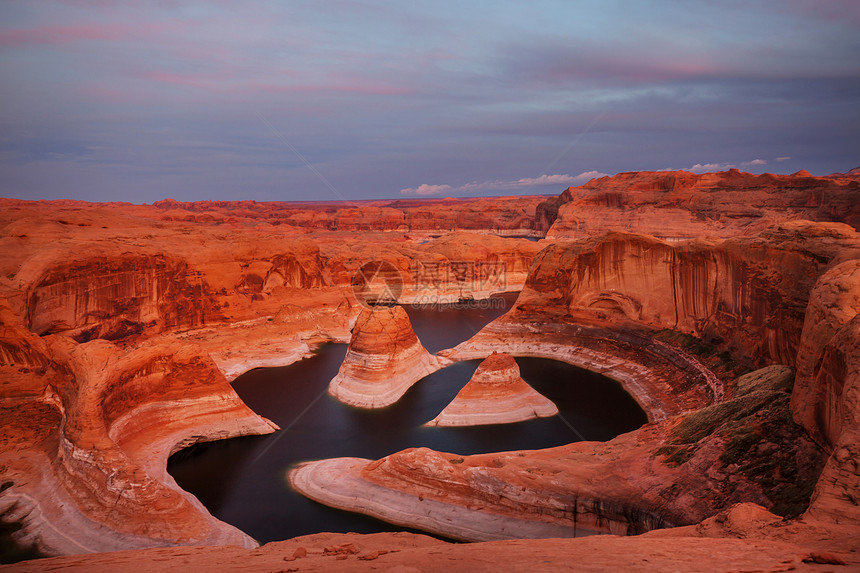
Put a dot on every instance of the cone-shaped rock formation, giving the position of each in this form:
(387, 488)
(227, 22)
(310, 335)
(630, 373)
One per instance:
(384, 359)
(496, 394)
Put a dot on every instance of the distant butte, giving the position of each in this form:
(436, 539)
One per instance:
(496, 394)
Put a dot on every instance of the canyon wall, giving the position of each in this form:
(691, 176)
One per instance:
(826, 400)
(121, 326)
(85, 451)
(684, 205)
(748, 295)
(592, 302)
(505, 216)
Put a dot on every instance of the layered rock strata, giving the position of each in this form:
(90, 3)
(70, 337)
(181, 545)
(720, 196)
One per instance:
(86, 458)
(748, 294)
(664, 380)
(250, 276)
(827, 399)
(682, 205)
(236, 286)
(699, 453)
(384, 359)
(496, 394)
(674, 472)
(505, 216)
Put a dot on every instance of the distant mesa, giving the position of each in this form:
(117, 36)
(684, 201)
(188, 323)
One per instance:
(496, 394)
(385, 358)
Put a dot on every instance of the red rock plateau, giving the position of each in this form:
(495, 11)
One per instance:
(122, 325)
(383, 361)
(496, 394)
(673, 205)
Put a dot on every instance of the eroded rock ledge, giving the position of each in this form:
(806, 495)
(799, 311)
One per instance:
(496, 394)
(88, 470)
(678, 471)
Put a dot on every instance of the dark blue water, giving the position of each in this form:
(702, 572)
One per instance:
(242, 481)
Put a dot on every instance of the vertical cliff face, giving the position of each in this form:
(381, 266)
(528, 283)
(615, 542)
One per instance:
(826, 399)
(819, 400)
(747, 293)
(116, 297)
(835, 419)
(300, 267)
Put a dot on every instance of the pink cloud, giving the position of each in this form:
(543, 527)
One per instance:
(60, 35)
(354, 88)
(546, 180)
(426, 190)
(587, 176)
(225, 82)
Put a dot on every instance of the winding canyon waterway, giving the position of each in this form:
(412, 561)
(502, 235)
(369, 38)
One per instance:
(242, 481)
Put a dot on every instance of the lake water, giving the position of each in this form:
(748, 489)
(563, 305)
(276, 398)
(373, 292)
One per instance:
(242, 481)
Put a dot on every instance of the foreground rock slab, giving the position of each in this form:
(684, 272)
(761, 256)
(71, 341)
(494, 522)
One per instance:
(496, 394)
(340, 483)
(738, 545)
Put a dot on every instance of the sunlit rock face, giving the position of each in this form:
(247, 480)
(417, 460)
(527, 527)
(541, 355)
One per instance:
(120, 325)
(384, 359)
(496, 394)
(819, 399)
(89, 445)
(749, 293)
(826, 400)
(737, 443)
(683, 205)
(114, 297)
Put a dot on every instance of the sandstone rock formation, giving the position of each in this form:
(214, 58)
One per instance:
(85, 454)
(505, 216)
(729, 451)
(496, 394)
(120, 325)
(88, 425)
(747, 293)
(682, 205)
(827, 399)
(674, 472)
(383, 361)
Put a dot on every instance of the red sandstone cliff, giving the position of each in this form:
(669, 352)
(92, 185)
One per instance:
(746, 294)
(681, 205)
(742, 446)
(87, 426)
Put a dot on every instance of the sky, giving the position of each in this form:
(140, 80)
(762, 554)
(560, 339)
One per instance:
(336, 99)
